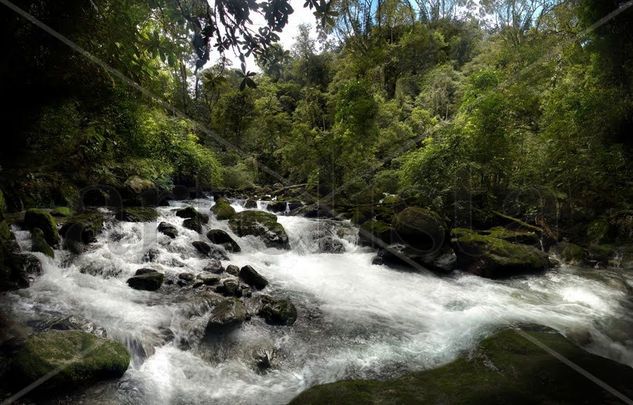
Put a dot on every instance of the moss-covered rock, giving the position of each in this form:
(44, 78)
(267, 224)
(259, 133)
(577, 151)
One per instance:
(261, 224)
(492, 257)
(419, 228)
(38, 243)
(81, 228)
(137, 214)
(38, 218)
(69, 358)
(223, 210)
(278, 206)
(509, 367)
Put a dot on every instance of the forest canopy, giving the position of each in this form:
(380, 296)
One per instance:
(426, 99)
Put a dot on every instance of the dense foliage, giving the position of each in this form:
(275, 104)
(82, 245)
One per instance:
(503, 106)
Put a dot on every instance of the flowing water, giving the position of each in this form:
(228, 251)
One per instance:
(355, 319)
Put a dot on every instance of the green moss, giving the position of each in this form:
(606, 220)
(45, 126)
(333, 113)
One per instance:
(61, 212)
(39, 243)
(80, 358)
(492, 257)
(505, 368)
(38, 218)
(223, 210)
(137, 214)
(81, 227)
(519, 236)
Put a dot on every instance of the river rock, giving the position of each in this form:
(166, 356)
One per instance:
(38, 243)
(227, 315)
(146, 279)
(260, 224)
(81, 229)
(250, 203)
(168, 229)
(195, 224)
(222, 209)
(277, 206)
(439, 261)
(277, 311)
(251, 277)
(190, 212)
(374, 231)
(37, 218)
(508, 367)
(69, 359)
(233, 270)
(312, 211)
(220, 237)
(207, 279)
(490, 257)
(137, 214)
(214, 266)
(210, 251)
(230, 287)
(419, 228)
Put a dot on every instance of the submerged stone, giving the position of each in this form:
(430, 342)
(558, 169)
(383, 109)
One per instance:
(227, 315)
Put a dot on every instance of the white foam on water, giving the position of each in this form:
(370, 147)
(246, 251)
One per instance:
(356, 320)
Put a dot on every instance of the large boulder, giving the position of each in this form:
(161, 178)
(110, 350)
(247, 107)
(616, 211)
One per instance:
(419, 228)
(68, 358)
(261, 224)
(251, 277)
(492, 257)
(509, 367)
(227, 315)
(195, 224)
(223, 210)
(277, 311)
(37, 218)
(220, 237)
(137, 214)
(146, 279)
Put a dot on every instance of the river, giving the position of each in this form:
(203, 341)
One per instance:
(355, 319)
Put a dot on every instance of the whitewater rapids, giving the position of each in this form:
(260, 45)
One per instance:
(355, 319)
